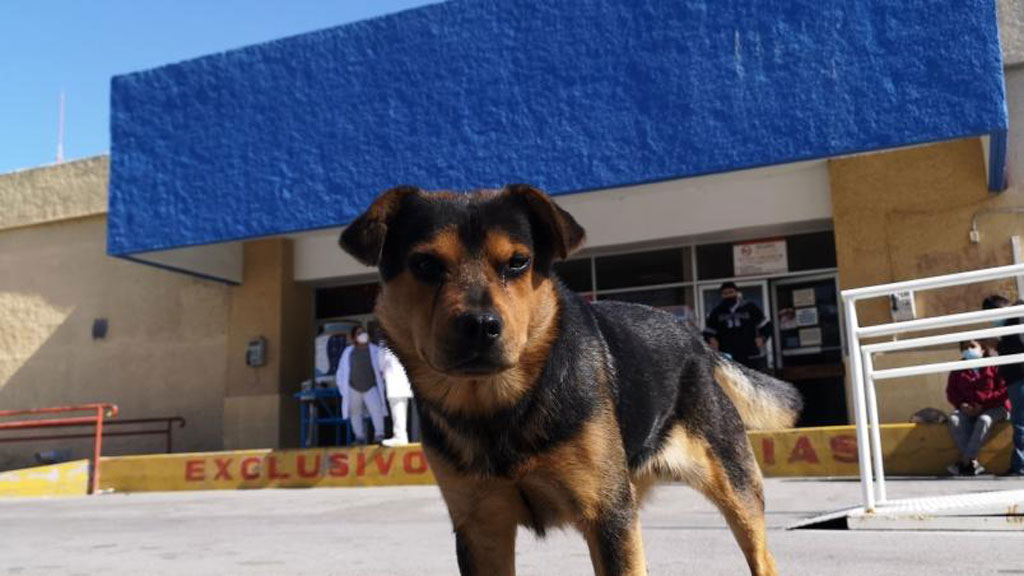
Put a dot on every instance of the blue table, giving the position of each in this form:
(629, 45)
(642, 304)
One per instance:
(321, 406)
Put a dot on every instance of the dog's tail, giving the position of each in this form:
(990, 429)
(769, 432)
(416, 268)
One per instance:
(763, 402)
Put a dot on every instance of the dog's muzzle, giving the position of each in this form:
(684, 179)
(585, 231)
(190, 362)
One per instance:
(473, 348)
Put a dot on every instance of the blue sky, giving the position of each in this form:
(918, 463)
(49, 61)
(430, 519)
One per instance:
(77, 45)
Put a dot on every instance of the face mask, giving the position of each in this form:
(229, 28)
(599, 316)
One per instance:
(972, 353)
(730, 300)
(362, 338)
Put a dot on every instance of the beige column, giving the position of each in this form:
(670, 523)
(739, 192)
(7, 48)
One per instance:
(259, 410)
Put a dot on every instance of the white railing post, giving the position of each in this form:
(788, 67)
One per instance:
(857, 384)
(876, 430)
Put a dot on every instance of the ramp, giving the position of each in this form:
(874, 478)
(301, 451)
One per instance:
(1001, 510)
(65, 479)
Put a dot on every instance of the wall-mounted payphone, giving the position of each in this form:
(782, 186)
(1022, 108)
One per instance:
(256, 352)
(902, 306)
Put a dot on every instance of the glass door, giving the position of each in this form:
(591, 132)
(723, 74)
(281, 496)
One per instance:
(807, 320)
(809, 340)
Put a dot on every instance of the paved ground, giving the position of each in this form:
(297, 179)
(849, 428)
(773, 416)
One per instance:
(400, 531)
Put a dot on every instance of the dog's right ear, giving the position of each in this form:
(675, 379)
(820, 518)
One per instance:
(364, 237)
(566, 235)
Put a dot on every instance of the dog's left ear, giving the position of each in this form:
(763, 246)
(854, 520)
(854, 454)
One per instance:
(364, 237)
(566, 234)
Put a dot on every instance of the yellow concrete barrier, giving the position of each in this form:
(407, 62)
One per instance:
(65, 479)
(362, 466)
(909, 449)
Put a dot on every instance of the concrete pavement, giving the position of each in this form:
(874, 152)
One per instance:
(404, 531)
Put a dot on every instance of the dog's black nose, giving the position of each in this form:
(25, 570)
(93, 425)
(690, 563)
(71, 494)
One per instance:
(478, 328)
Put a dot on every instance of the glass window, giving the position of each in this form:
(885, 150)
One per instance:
(642, 268)
(714, 261)
(808, 317)
(576, 274)
(811, 251)
(352, 300)
(677, 300)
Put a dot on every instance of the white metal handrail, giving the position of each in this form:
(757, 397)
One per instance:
(939, 367)
(958, 279)
(927, 341)
(863, 374)
(940, 322)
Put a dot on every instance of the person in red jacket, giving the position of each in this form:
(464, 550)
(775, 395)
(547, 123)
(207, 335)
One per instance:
(980, 400)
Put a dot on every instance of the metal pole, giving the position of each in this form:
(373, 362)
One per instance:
(97, 450)
(876, 429)
(863, 446)
(60, 130)
(1018, 258)
(170, 423)
(303, 423)
(55, 423)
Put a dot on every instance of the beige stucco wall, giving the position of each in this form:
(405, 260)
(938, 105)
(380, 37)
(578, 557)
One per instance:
(1011, 31)
(906, 214)
(165, 351)
(53, 193)
(900, 398)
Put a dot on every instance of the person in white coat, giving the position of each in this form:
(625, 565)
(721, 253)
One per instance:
(399, 391)
(361, 384)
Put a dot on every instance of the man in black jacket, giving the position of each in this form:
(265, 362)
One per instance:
(1014, 376)
(738, 328)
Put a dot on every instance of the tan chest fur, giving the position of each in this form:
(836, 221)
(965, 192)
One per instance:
(561, 486)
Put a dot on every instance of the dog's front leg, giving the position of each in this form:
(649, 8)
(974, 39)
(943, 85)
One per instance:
(484, 515)
(486, 546)
(616, 544)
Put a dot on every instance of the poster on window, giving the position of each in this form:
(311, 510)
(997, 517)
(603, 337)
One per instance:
(810, 337)
(806, 316)
(787, 319)
(803, 297)
(761, 257)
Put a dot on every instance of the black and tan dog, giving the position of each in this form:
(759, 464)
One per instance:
(540, 409)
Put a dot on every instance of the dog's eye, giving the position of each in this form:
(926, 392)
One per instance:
(517, 265)
(426, 267)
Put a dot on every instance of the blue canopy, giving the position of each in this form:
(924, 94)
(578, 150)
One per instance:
(302, 133)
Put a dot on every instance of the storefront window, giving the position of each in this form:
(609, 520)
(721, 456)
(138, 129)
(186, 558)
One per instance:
(814, 251)
(811, 251)
(808, 320)
(714, 261)
(576, 274)
(677, 300)
(343, 301)
(790, 278)
(650, 268)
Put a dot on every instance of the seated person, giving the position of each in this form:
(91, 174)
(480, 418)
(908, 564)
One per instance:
(979, 400)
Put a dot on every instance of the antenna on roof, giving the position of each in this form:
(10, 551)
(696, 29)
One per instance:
(60, 131)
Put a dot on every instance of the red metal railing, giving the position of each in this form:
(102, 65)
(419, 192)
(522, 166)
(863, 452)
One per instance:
(98, 413)
(166, 430)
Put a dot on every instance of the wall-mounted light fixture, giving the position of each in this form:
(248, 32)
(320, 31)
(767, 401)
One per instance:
(99, 329)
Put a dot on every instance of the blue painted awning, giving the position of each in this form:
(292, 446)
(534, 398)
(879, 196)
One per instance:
(302, 133)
